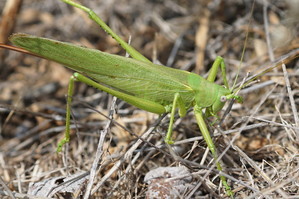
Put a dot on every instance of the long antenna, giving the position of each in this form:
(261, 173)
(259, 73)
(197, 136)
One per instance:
(244, 46)
(282, 60)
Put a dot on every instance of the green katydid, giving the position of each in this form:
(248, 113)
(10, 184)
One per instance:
(139, 82)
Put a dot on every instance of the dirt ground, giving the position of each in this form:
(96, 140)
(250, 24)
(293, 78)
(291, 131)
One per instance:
(114, 145)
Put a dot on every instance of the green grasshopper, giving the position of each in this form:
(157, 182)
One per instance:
(151, 87)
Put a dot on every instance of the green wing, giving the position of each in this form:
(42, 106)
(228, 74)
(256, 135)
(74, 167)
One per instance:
(145, 80)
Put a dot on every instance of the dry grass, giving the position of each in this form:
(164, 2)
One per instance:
(259, 137)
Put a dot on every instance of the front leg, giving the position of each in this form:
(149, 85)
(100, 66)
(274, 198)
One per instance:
(207, 137)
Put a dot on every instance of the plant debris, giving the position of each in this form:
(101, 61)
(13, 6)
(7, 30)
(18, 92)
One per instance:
(259, 138)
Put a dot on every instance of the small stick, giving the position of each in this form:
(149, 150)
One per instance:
(291, 97)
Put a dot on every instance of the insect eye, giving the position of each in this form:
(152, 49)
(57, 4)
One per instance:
(223, 99)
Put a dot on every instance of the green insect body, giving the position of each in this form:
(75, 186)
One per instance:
(153, 83)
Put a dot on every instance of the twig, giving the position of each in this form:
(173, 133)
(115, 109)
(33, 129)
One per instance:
(263, 174)
(23, 196)
(291, 97)
(278, 186)
(127, 155)
(100, 150)
(5, 187)
(266, 26)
